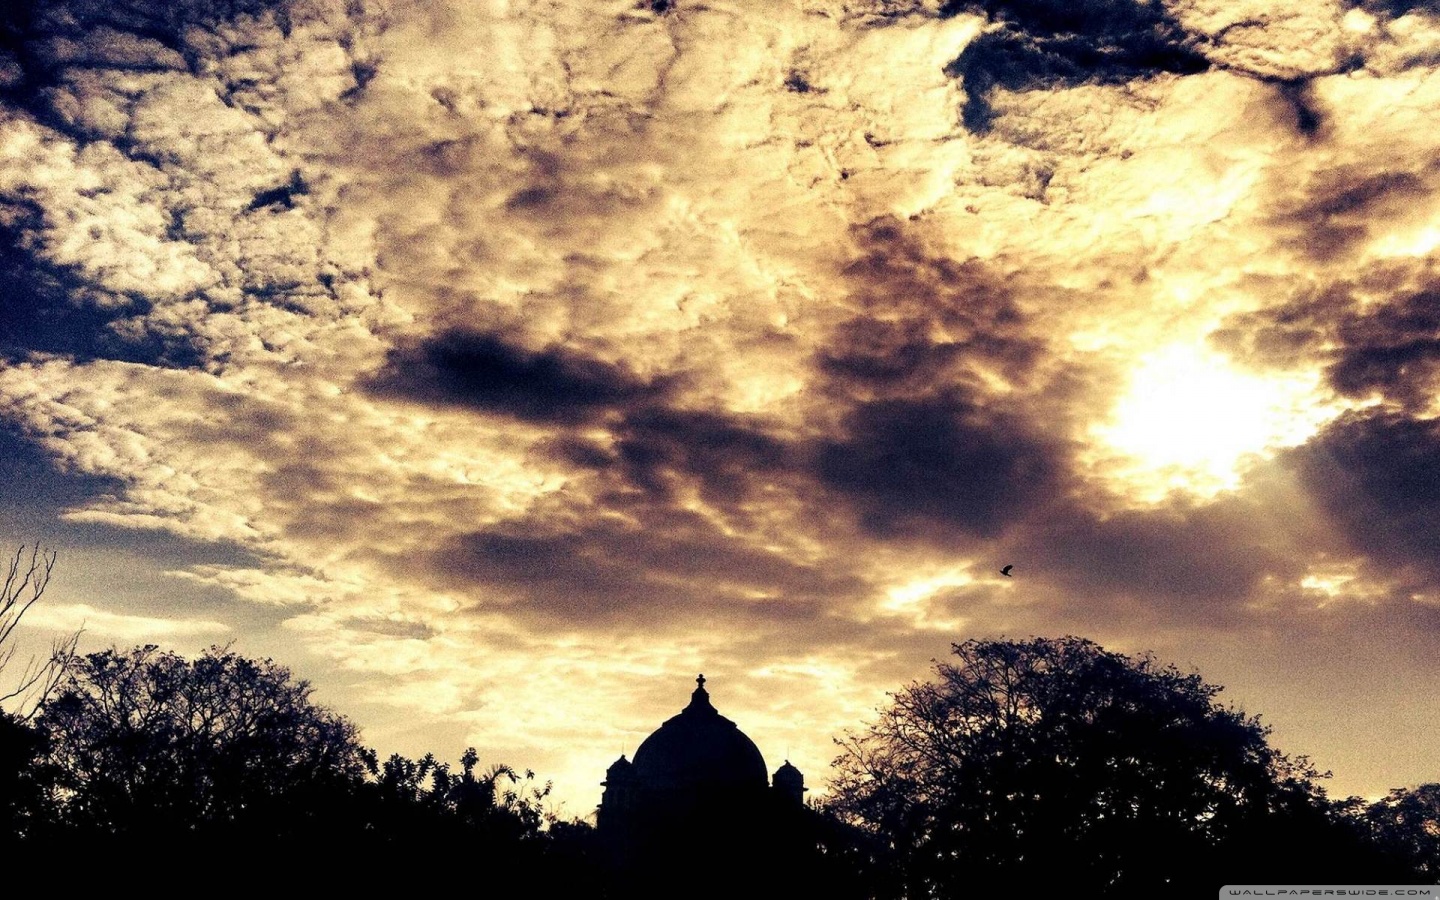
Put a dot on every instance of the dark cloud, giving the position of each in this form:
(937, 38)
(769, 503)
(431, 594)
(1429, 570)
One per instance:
(887, 352)
(1389, 349)
(1302, 102)
(400, 628)
(722, 453)
(658, 457)
(282, 197)
(668, 568)
(910, 442)
(926, 321)
(1042, 44)
(1373, 472)
(1376, 473)
(483, 371)
(1343, 207)
(1177, 562)
(1394, 9)
(912, 466)
(1344, 192)
(930, 383)
(1393, 351)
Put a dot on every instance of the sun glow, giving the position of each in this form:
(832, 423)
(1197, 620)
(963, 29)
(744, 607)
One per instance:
(1189, 421)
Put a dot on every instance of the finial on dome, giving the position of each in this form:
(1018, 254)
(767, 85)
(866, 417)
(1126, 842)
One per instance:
(700, 699)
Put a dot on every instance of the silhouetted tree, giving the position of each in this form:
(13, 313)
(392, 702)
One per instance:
(422, 801)
(24, 796)
(1407, 826)
(151, 745)
(1054, 759)
(493, 819)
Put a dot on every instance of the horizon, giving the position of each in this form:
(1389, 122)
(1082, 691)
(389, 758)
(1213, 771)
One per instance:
(494, 367)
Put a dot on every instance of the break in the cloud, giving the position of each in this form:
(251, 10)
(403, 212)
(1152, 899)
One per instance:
(505, 365)
(75, 617)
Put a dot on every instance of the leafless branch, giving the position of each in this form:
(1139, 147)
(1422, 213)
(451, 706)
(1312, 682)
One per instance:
(24, 584)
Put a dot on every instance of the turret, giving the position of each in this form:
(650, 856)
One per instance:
(619, 795)
(789, 783)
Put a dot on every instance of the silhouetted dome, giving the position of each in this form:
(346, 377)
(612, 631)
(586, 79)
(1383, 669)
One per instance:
(700, 749)
(788, 774)
(619, 768)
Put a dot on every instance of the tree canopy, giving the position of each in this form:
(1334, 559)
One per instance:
(146, 741)
(213, 758)
(1406, 825)
(1056, 759)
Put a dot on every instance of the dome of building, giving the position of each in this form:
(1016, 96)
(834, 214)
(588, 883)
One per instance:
(620, 768)
(700, 749)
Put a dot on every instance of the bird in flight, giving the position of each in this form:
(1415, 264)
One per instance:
(1006, 571)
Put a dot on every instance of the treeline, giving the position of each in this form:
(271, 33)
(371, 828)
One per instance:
(1041, 762)
(193, 764)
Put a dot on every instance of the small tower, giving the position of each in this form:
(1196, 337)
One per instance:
(789, 784)
(618, 798)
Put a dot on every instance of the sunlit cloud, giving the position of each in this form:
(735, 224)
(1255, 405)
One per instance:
(98, 623)
(1189, 421)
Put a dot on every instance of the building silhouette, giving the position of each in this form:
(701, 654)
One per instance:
(697, 798)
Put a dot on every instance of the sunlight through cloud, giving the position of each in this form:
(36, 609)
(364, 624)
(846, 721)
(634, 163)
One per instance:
(1188, 421)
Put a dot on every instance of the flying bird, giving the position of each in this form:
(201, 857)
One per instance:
(1006, 571)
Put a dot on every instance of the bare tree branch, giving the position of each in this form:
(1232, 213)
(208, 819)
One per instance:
(24, 584)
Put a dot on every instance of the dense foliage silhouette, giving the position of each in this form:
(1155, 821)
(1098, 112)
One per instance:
(148, 743)
(219, 760)
(1056, 761)
(1042, 761)
(1406, 825)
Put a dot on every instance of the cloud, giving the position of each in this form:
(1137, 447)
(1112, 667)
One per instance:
(1181, 564)
(1396, 8)
(1374, 474)
(508, 360)
(1287, 43)
(483, 372)
(942, 461)
(135, 233)
(35, 485)
(932, 384)
(660, 449)
(676, 572)
(1369, 350)
(1345, 208)
(1043, 44)
(103, 623)
(926, 318)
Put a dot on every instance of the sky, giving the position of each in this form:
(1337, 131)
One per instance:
(500, 366)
